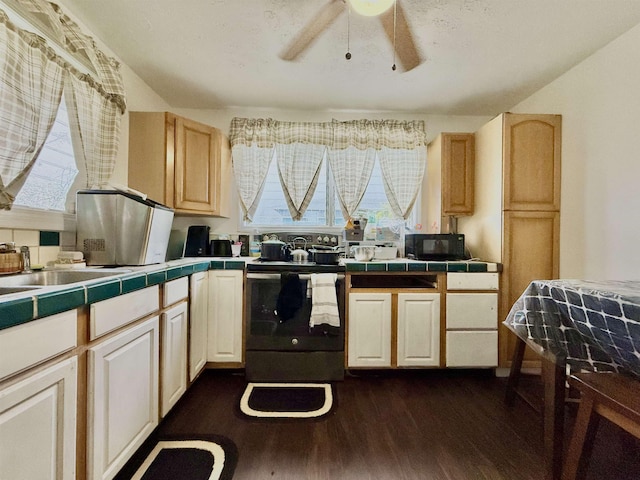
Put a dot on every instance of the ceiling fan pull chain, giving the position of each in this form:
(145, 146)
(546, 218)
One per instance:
(395, 12)
(348, 55)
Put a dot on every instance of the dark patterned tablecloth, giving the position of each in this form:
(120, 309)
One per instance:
(590, 325)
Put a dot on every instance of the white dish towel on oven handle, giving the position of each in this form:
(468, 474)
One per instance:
(324, 303)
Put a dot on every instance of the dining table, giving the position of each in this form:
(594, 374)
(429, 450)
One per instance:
(575, 326)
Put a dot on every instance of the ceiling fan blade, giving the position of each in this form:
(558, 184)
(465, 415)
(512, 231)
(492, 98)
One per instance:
(320, 22)
(406, 50)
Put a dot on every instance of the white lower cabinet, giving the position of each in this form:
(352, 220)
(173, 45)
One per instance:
(122, 398)
(472, 348)
(38, 425)
(198, 304)
(369, 343)
(472, 320)
(224, 330)
(418, 329)
(371, 324)
(174, 356)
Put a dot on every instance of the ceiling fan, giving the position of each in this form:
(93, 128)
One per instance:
(393, 20)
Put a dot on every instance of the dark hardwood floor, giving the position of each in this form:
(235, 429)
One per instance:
(447, 424)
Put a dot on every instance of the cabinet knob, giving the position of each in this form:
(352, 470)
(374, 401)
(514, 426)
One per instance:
(294, 341)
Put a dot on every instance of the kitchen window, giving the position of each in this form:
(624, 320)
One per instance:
(324, 208)
(54, 143)
(55, 172)
(319, 174)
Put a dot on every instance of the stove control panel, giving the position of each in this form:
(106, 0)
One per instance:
(305, 240)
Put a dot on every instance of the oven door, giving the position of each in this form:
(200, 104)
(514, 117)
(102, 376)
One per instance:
(278, 309)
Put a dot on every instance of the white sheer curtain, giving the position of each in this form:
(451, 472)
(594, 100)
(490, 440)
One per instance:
(95, 125)
(252, 147)
(403, 158)
(300, 148)
(31, 83)
(352, 156)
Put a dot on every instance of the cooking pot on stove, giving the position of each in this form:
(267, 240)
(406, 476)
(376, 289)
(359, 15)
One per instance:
(325, 256)
(274, 250)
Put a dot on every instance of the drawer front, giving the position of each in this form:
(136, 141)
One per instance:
(472, 349)
(175, 290)
(31, 343)
(472, 310)
(472, 281)
(118, 311)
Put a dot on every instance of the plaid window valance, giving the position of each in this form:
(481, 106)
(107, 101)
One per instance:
(361, 134)
(351, 147)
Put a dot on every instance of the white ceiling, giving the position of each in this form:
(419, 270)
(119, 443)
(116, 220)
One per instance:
(482, 56)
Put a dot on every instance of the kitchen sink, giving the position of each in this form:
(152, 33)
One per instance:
(54, 277)
(9, 290)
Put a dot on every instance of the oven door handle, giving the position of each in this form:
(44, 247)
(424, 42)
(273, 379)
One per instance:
(276, 276)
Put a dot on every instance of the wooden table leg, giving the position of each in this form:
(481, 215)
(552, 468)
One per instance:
(554, 392)
(514, 372)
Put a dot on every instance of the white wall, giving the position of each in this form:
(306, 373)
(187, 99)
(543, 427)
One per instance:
(599, 101)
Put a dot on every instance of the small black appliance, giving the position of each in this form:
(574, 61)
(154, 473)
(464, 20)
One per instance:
(435, 246)
(220, 248)
(197, 244)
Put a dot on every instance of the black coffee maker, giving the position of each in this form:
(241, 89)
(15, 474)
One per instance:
(197, 244)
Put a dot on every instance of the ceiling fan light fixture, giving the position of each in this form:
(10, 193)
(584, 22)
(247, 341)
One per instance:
(371, 8)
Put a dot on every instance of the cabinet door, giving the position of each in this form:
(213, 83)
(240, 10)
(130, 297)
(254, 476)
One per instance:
(458, 152)
(198, 303)
(418, 329)
(472, 311)
(531, 159)
(197, 166)
(122, 397)
(369, 330)
(174, 356)
(225, 316)
(531, 251)
(38, 425)
(472, 348)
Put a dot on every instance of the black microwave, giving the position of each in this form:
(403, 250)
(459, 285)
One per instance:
(434, 246)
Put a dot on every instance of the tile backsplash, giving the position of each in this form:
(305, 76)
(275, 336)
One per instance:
(44, 246)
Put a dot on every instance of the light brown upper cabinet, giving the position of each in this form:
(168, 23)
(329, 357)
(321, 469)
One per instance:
(532, 145)
(449, 181)
(181, 163)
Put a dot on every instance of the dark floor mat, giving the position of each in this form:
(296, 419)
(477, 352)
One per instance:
(183, 457)
(287, 400)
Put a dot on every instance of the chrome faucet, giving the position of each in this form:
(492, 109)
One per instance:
(26, 258)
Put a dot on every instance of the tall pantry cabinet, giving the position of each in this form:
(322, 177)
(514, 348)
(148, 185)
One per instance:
(516, 220)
